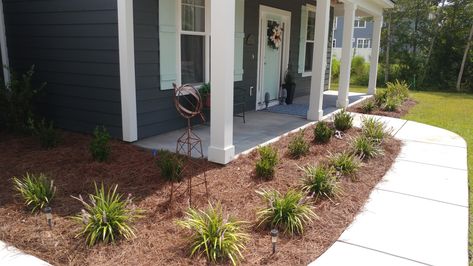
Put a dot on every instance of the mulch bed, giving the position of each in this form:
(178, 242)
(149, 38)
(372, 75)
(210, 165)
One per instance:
(159, 240)
(400, 112)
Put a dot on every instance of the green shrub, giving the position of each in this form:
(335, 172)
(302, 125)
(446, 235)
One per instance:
(343, 120)
(18, 101)
(368, 106)
(170, 165)
(398, 89)
(47, 135)
(289, 212)
(320, 181)
(360, 71)
(265, 166)
(100, 147)
(217, 236)
(322, 132)
(345, 163)
(107, 217)
(365, 147)
(392, 104)
(335, 69)
(298, 147)
(36, 191)
(380, 98)
(374, 129)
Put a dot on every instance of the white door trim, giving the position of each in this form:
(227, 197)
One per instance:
(126, 49)
(262, 42)
(3, 47)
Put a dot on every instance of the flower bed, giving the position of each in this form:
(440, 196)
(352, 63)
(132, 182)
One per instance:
(159, 239)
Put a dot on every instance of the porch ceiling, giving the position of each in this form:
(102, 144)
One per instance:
(365, 8)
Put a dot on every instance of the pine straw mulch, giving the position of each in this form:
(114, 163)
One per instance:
(400, 112)
(159, 240)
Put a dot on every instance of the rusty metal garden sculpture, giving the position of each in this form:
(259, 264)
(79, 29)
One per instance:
(189, 103)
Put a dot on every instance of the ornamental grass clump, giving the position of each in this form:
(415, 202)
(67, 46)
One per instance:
(365, 148)
(47, 135)
(374, 129)
(343, 120)
(398, 89)
(100, 146)
(320, 181)
(171, 165)
(322, 132)
(107, 216)
(368, 107)
(214, 235)
(391, 104)
(265, 166)
(298, 146)
(345, 163)
(289, 212)
(37, 191)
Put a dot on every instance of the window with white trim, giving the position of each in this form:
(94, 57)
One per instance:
(363, 43)
(335, 23)
(194, 38)
(310, 40)
(360, 23)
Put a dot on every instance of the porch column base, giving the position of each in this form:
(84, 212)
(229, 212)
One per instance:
(342, 103)
(315, 115)
(221, 156)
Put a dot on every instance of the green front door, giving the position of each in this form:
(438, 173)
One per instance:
(272, 58)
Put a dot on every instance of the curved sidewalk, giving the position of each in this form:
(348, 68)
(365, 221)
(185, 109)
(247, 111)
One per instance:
(418, 213)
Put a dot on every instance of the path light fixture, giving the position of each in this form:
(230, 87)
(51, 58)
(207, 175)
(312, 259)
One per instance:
(274, 239)
(49, 216)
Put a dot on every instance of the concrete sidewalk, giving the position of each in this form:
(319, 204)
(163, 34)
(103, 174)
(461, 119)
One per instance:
(418, 213)
(11, 256)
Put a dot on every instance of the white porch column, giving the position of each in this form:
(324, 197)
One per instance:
(375, 45)
(222, 18)
(345, 64)
(319, 60)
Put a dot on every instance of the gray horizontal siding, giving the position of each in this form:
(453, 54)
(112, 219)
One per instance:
(74, 46)
(155, 108)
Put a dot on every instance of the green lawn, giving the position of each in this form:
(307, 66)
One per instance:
(454, 112)
(353, 88)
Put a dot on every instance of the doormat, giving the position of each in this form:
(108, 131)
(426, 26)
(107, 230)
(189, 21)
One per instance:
(290, 109)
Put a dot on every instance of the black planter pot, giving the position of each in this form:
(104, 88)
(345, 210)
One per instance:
(290, 88)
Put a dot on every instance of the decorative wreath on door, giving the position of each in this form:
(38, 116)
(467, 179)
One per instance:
(275, 32)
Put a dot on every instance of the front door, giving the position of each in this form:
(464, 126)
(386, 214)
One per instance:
(273, 54)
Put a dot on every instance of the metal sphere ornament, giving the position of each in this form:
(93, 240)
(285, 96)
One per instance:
(188, 101)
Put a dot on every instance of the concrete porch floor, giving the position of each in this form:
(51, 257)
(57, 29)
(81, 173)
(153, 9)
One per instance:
(260, 126)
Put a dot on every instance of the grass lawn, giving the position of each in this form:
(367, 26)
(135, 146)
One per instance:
(454, 112)
(353, 88)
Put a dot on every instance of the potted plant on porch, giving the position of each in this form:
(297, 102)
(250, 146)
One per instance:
(290, 87)
(204, 91)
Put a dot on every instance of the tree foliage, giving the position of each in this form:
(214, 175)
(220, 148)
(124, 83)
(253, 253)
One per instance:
(427, 39)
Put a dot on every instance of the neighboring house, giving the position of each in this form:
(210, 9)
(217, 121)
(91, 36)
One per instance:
(113, 62)
(361, 41)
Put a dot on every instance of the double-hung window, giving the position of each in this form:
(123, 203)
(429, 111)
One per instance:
(310, 41)
(363, 43)
(360, 23)
(194, 42)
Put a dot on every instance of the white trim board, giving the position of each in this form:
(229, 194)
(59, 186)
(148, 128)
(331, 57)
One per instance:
(3, 47)
(127, 70)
